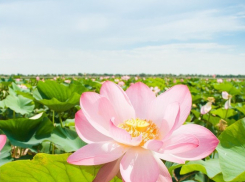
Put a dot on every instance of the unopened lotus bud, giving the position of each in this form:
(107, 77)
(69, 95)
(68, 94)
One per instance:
(194, 105)
(4, 93)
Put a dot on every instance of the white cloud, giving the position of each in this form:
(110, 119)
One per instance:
(196, 25)
(91, 23)
(173, 58)
(60, 36)
(62, 24)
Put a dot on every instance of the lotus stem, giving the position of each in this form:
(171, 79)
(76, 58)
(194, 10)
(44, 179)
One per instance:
(61, 123)
(226, 113)
(53, 117)
(208, 120)
(53, 151)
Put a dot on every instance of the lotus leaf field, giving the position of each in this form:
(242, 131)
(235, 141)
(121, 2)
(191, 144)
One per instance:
(37, 117)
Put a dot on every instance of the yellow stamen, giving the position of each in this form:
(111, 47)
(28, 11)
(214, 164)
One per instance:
(135, 127)
(139, 124)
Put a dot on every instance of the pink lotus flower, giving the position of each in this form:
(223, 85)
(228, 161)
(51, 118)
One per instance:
(121, 83)
(125, 77)
(37, 78)
(132, 131)
(22, 86)
(155, 90)
(208, 106)
(68, 81)
(219, 80)
(227, 97)
(3, 139)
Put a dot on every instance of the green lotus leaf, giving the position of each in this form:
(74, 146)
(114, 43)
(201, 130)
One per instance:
(50, 168)
(25, 94)
(224, 113)
(209, 167)
(231, 151)
(195, 98)
(214, 120)
(77, 87)
(56, 96)
(2, 104)
(19, 104)
(5, 153)
(172, 166)
(228, 87)
(196, 113)
(66, 138)
(25, 132)
(241, 108)
(4, 84)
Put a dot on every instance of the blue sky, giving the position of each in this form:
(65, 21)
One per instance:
(127, 37)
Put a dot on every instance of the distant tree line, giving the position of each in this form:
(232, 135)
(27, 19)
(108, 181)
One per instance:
(119, 75)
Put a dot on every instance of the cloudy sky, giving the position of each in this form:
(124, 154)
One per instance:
(122, 36)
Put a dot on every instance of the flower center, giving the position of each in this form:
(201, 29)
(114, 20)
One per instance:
(135, 127)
